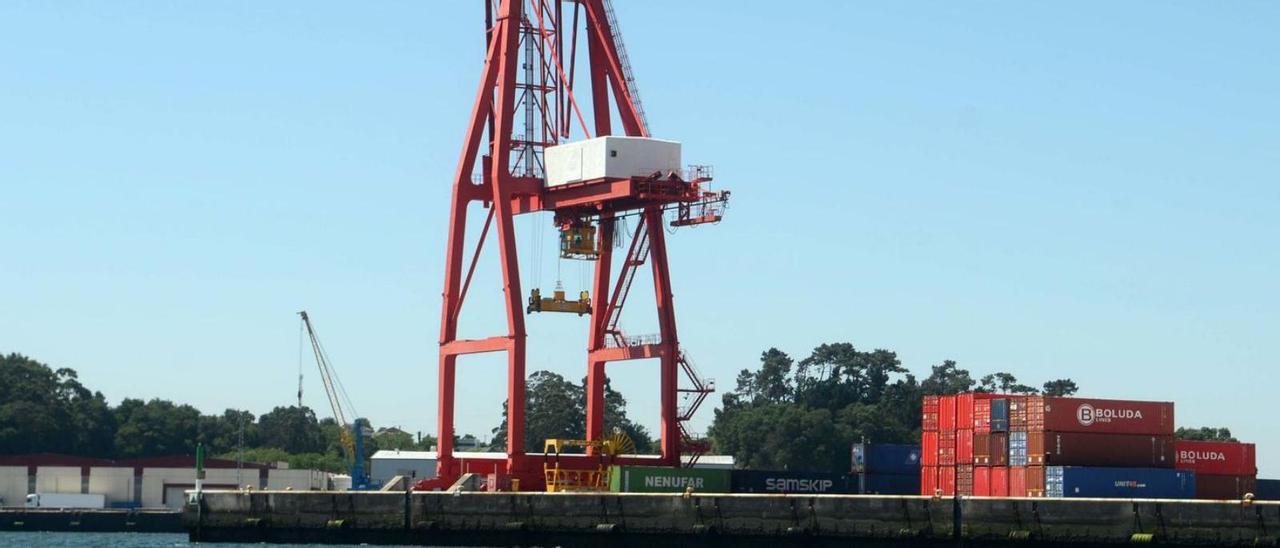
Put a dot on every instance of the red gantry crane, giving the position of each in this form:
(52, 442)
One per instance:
(541, 139)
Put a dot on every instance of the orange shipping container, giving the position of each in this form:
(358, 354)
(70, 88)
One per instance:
(1035, 481)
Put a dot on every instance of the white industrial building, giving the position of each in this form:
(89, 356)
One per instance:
(141, 483)
(419, 465)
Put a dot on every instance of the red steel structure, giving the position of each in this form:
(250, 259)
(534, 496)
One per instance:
(525, 103)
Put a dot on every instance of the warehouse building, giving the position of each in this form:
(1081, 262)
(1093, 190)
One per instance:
(419, 465)
(156, 482)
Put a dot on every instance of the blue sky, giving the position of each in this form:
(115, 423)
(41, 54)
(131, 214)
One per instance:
(1083, 189)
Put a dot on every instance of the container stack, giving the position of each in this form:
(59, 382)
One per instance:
(1006, 445)
(956, 443)
(1224, 470)
(1077, 447)
(885, 469)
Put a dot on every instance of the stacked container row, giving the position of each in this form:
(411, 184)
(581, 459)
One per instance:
(1224, 470)
(1009, 445)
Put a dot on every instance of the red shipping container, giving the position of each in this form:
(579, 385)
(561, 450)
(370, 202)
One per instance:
(982, 449)
(1035, 481)
(1017, 481)
(1216, 458)
(982, 416)
(999, 449)
(1100, 416)
(982, 481)
(947, 448)
(1017, 413)
(928, 480)
(929, 415)
(946, 413)
(1213, 487)
(964, 480)
(999, 481)
(947, 480)
(1084, 449)
(964, 446)
(966, 408)
(928, 448)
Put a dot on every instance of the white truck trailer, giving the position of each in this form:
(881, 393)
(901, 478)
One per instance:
(66, 500)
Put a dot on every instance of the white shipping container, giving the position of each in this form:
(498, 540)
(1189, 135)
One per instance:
(610, 157)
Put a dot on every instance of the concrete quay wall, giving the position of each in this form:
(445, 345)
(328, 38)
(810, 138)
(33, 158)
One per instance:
(569, 519)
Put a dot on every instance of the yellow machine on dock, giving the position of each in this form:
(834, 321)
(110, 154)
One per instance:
(576, 480)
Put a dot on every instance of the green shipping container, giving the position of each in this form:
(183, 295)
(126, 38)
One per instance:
(654, 479)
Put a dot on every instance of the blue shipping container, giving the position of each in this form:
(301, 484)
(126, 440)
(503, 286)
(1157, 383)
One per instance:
(1088, 481)
(1000, 415)
(760, 481)
(1268, 489)
(885, 458)
(1017, 448)
(885, 484)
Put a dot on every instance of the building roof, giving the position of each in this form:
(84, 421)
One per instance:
(167, 461)
(52, 459)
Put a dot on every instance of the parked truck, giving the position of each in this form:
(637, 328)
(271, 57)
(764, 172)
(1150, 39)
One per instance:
(66, 500)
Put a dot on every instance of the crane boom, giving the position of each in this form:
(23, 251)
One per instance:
(351, 431)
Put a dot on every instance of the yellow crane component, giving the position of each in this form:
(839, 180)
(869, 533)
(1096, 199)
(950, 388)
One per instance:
(567, 480)
(558, 302)
(579, 242)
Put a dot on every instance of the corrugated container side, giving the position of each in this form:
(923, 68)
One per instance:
(947, 448)
(1216, 457)
(1035, 481)
(946, 413)
(999, 481)
(964, 446)
(890, 484)
(1000, 415)
(883, 458)
(928, 480)
(1100, 416)
(1268, 489)
(964, 410)
(1017, 481)
(654, 479)
(982, 416)
(1017, 448)
(1213, 487)
(982, 481)
(929, 414)
(782, 482)
(1017, 414)
(1091, 481)
(964, 479)
(929, 448)
(1088, 449)
(982, 449)
(999, 449)
(947, 480)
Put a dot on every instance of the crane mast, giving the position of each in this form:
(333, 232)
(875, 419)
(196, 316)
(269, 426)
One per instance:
(351, 434)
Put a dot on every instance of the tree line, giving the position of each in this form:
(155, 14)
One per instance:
(804, 415)
(43, 410)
